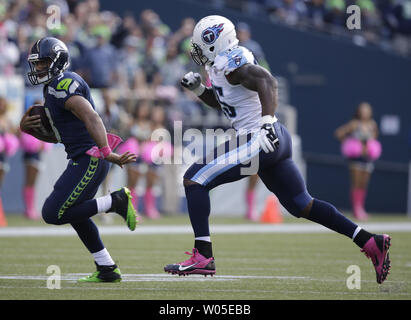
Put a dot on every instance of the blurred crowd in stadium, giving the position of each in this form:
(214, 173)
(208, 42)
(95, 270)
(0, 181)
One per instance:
(133, 63)
(139, 58)
(131, 60)
(385, 23)
(136, 61)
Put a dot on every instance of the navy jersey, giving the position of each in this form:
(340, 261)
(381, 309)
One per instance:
(67, 128)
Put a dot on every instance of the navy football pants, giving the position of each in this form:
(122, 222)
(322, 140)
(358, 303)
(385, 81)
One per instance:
(233, 161)
(276, 169)
(71, 200)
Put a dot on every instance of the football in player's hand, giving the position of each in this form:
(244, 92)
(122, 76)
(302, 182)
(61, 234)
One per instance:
(45, 128)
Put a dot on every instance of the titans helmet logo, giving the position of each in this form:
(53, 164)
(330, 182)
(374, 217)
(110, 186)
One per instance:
(211, 34)
(237, 60)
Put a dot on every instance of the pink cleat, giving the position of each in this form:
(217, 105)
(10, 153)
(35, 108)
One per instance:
(377, 249)
(197, 264)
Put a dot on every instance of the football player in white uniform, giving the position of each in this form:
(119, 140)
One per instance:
(247, 94)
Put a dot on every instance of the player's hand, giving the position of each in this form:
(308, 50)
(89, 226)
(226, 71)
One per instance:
(268, 139)
(120, 160)
(191, 81)
(29, 123)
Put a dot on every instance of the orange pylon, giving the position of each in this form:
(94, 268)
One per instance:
(272, 211)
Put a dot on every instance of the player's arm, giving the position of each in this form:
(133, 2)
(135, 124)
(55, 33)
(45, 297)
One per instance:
(258, 79)
(192, 82)
(83, 110)
(209, 98)
(29, 124)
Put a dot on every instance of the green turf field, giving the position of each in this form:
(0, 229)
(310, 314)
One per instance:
(249, 265)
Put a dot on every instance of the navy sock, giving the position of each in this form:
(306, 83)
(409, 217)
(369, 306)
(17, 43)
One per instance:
(204, 247)
(198, 203)
(327, 215)
(89, 235)
(362, 237)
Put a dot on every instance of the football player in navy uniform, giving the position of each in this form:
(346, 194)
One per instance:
(247, 94)
(75, 123)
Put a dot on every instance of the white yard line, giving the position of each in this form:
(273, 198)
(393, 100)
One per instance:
(160, 277)
(186, 229)
(72, 277)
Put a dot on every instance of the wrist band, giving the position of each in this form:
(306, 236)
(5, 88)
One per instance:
(199, 90)
(105, 151)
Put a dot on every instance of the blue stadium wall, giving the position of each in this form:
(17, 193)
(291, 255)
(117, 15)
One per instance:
(327, 78)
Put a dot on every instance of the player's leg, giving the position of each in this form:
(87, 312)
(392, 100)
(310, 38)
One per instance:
(199, 179)
(364, 180)
(63, 206)
(31, 162)
(284, 179)
(4, 167)
(132, 179)
(69, 203)
(106, 218)
(149, 198)
(3, 170)
(107, 270)
(357, 190)
(250, 198)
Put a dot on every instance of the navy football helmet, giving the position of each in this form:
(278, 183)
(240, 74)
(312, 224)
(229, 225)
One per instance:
(50, 50)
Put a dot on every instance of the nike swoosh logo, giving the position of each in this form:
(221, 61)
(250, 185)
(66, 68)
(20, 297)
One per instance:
(183, 268)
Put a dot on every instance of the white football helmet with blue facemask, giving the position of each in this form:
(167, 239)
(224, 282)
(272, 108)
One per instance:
(211, 36)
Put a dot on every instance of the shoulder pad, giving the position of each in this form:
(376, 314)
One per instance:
(65, 85)
(67, 81)
(230, 60)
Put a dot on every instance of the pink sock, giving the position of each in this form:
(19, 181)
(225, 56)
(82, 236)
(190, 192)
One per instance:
(28, 196)
(361, 197)
(150, 204)
(362, 193)
(250, 197)
(358, 198)
(135, 198)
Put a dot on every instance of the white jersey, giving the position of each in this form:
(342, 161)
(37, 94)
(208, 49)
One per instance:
(241, 105)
